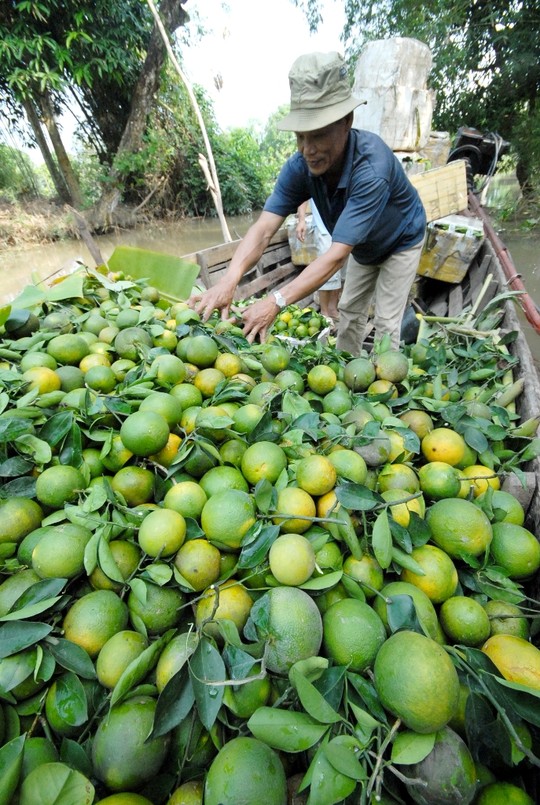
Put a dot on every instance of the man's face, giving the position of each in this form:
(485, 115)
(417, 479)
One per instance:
(323, 149)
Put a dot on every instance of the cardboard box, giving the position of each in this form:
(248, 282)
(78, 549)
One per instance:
(451, 245)
(443, 190)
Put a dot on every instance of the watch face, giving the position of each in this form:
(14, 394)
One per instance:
(280, 300)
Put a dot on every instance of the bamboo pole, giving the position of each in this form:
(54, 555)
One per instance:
(212, 179)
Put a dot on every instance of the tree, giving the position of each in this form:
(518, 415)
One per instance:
(486, 57)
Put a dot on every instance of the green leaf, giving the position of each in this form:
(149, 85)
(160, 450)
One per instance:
(323, 582)
(401, 613)
(264, 495)
(72, 657)
(11, 755)
(411, 747)
(139, 667)
(18, 635)
(254, 552)
(356, 497)
(38, 592)
(295, 405)
(174, 704)
(381, 540)
(207, 668)
(328, 786)
(365, 723)
(37, 448)
(73, 755)
(70, 699)
(312, 701)
(286, 730)
(107, 563)
(56, 783)
(32, 610)
(353, 588)
(12, 427)
(58, 426)
(343, 753)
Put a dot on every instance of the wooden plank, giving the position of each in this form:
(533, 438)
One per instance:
(269, 280)
(455, 301)
(443, 190)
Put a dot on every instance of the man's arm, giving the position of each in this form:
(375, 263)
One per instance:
(259, 316)
(249, 251)
(301, 221)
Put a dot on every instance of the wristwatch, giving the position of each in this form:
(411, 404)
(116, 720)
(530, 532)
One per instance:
(280, 299)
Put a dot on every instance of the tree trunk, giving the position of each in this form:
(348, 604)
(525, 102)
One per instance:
(62, 158)
(146, 88)
(57, 178)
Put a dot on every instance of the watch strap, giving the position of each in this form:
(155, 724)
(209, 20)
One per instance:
(280, 299)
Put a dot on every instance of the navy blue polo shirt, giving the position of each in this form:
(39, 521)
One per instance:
(374, 208)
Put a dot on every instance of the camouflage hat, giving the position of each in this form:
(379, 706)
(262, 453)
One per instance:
(320, 92)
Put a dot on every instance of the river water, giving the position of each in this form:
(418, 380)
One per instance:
(19, 265)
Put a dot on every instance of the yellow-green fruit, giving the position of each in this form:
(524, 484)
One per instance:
(19, 516)
(416, 681)
(125, 798)
(144, 433)
(516, 659)
(122, 755)
(503, 794)
(246, 771)
(58, 485)
(506, 618)
(244, 699)
(292, 559)
(161, 610)
(174, 656)
(117, 653)
(459, 527)
(425, 611)
(94, 618)
(352, 634)
(448, 773)
(226, 518)
(60, 552)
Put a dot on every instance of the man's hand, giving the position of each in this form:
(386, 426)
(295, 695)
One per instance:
(258, 317)
(219, 297)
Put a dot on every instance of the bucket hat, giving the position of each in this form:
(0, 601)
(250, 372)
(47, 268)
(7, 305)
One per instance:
(320, 92)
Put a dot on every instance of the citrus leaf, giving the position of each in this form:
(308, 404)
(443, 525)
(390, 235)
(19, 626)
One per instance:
(18, 635)
(252, 554)
(365, 723)
(174, 704)
(91, 553)
(58, 426)
(353, 588)
(11, 755)
(70, 699)
(312, 701)
(39, 591)
(323, 582)
(328, 785)
(13, 427)
(56, 783)
(286, 730)
(356, 497)
(106, 561)
(72, 657)
(37, 448)
(381, 540)
(207, 668)
(73, 755)
(343, 753)
(32, 609)
(411, 747)
(139, 667)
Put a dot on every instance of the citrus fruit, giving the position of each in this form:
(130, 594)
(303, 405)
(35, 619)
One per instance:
(516, 659)
(169, 406)
(464, 620)
(187, 394)
(481, 477)
(359, 373)
(160, 610)
(199, 562)
(227, 601)
(447, 773)
(515, 549)
(174, 656)
(296, 507)
(440, 578)
(416, 681)
(93, 619)
(31, 359)
(135, 484)
(401, 507)
(218, 479)
(439, 480)
(132, 342)
(316, 475)
(167, 454)
(470, 457)
(60, 553)
(443, 444)
(100, 378)
(293, 629)
(247, 771)
(506, 618)
(349, 465)
(190, 793)
(226, 518)
(123, 756)
(93, 360)
(263, 460)
(202, 351)
(352, 634)
(127, 317)
(321, 379)
(187, 498)
(19, 517)
(58, 485)
(275, 358)
(397, 476)
(126, 556)
(115, 454)
(167, 370)
(504, 506)
(376, 451)
(144, 432)
(207, 381)
(162, 532)
(459, 527)
(290, 379)
(246, 418)
(244, 699)
(68, 348)
(42, 379)
(425, 611)
(292, 559)
(71, 378)
(382, 388)
(228, 363)
(367, 571)
(391, 365)
(117, 653)
(418, 421)
(337, 402)
(503, 794)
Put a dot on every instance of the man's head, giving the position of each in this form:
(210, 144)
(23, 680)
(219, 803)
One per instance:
(320, 92)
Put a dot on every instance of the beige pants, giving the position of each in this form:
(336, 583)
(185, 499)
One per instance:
(390, 283)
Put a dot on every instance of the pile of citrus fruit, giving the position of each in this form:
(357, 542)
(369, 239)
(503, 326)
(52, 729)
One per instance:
(244, 574)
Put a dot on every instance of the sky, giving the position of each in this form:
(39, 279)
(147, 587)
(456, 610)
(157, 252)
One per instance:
(251, 47)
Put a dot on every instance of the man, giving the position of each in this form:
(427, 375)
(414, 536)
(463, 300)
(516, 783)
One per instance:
(374, 214)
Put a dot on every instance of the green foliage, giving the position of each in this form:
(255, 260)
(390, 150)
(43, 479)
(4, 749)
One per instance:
(17, 177)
